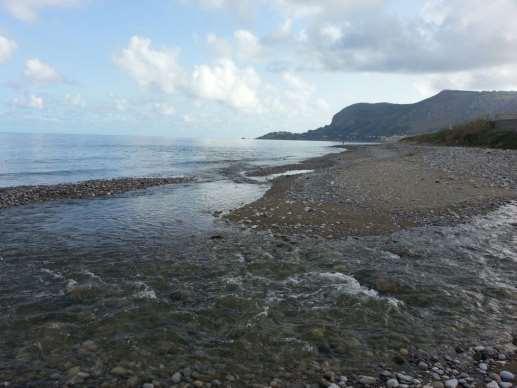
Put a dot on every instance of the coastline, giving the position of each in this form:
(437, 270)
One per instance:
(380, 189)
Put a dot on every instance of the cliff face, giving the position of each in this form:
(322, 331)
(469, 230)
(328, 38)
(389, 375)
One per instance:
(370, 121)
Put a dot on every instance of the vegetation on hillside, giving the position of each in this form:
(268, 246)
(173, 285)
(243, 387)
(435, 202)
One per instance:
(478, 133)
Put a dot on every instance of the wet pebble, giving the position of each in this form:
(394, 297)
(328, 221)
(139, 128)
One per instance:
(452, 383)
(507, 376)
(177, 377)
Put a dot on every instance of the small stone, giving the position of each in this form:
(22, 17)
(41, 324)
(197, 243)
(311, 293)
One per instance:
(89, 346)
(392, 383)
(492, 384)
(119, 371)
(452, 383)
(422, 365)
(506, 384)
(367, 380)
(438, 384)
(506, 376)
(177, 377)
(333, 386)
(405, 378)
(148, 385)
(198, 384)
(483, 366)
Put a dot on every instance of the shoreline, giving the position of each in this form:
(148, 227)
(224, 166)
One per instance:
(25, 195)
(382, 188)
(281, 280)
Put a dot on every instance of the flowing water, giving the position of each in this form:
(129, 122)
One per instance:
(159, 284)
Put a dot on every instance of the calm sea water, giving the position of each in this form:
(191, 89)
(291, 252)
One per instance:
(140, 276)
(48, 159)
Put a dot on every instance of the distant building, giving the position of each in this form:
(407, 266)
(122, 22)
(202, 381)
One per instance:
(505, 121)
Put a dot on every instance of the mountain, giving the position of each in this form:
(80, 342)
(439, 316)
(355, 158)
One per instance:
(372, 121)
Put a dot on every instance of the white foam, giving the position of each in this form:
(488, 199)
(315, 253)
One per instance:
(146, 293)
(270, 177)
(55, 275)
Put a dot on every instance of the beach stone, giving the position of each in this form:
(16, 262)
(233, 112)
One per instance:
(89, 346)
(506, 376)
(148, 385)
(492, 384)
(177, 377)
(333, 385)
(120, 371)
(392, 383)
(438, 384)
(452, 383)
(367, 380)
(483, 366)
(505, 384)
(423, 365)
(405, 378)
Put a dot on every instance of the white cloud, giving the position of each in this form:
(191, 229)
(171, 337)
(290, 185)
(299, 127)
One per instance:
(331, 33)
(495, 78)
(31, 101)
(27, 10)
(41, 72)
(151, 67)
(248, 45)
(75, 100)
(380, 36)
(7, 48)
(165, 109)
(222, 81)
(225, 82)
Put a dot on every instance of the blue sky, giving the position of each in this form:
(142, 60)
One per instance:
(232, 68)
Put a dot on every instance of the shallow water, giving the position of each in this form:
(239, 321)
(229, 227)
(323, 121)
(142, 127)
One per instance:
(245, 303)
(159, 284)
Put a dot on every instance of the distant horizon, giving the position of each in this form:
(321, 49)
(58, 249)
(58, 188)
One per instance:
(136, 133)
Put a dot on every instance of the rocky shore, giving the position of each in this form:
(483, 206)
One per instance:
(23, 195)
(289, 299)
(378, 189)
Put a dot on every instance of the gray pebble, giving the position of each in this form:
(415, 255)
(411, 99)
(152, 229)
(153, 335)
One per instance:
(176, 377)
(392, 383)
(452, 383)
(507, 376)
(367, 380)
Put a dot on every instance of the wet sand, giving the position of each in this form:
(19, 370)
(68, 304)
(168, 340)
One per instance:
(379, 189)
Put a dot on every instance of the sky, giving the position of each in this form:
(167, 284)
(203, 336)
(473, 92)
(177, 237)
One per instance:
(239, 68)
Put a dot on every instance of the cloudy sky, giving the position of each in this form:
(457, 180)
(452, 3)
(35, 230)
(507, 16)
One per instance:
(231, 68)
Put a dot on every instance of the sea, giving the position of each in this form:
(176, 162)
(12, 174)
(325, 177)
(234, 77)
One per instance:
(153, 282)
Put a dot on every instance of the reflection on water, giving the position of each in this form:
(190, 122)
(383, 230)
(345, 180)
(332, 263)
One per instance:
(49, 159)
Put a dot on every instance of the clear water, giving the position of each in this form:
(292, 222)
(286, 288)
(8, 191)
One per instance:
(50, 159)
(141, 276)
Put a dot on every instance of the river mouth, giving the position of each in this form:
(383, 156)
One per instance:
(229, 301)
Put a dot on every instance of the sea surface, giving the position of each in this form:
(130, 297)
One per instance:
(158, 283)
(27, 159)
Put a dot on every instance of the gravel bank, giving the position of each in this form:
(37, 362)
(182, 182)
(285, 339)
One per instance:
(23, 195)
(379, 189)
